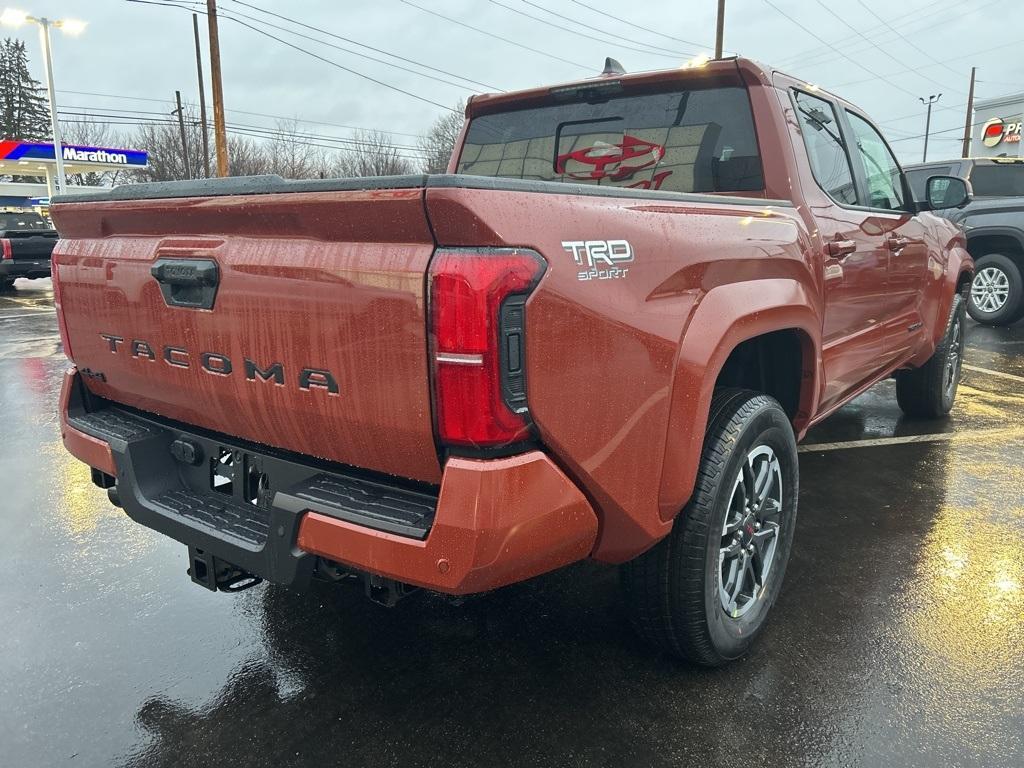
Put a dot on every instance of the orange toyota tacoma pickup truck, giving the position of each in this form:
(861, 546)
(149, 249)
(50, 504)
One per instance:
(600, 335)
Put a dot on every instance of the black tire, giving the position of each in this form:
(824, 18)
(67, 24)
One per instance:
(673, 590)
(1008, 274)
(928, 392)
(6, 284)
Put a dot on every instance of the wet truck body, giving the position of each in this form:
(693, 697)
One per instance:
(465, 380)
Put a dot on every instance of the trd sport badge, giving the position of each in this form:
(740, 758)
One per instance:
(600, 257)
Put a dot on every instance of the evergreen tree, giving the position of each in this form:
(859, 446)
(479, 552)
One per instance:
(24, 113)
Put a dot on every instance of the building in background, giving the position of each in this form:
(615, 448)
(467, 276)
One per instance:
(36, 159)
(997, 126)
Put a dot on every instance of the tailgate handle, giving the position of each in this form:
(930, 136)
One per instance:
(189, 283)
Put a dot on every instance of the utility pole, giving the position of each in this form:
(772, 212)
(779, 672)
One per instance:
(928, 122)
(202, 98)
(966, 152)
(219, 132)
(720, 29)
(184, 141)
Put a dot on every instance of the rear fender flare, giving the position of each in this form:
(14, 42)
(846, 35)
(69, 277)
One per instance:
(727, 316)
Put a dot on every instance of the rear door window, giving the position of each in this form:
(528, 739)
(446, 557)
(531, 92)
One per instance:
(680, 141)
(881, 171)
(998, 180)
(826, 149)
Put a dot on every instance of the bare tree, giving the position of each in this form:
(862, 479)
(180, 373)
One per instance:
(89, 132)
(162, 140)
(439, 142)
(296, 155)
(247, 157)
(375, 155)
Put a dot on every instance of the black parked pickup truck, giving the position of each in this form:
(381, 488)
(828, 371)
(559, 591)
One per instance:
(994, 224)
(26, 242)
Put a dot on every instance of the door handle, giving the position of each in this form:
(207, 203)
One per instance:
(840, 249)
(189, 283)
(897, 243)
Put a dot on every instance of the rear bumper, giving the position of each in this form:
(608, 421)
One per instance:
(24, 268)
(489, 524)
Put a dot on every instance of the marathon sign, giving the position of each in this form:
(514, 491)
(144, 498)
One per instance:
(33, 151)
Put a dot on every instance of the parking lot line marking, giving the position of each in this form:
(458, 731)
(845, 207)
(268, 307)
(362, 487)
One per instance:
(907, 439)
(990, 372)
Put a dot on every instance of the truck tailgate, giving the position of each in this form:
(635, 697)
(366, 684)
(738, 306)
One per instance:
(30, 246)
(316, 338)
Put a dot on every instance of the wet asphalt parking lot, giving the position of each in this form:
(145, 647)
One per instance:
(898, 639)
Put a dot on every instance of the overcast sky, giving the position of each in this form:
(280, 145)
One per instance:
(147, 52)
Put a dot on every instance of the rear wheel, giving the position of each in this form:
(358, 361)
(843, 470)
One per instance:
(703, 593)
(6, 283)
(997, 291)
(929, 391)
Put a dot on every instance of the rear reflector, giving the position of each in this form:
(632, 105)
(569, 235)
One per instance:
(477, 309)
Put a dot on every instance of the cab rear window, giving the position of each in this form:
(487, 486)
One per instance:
(680, 141)
(998, 180)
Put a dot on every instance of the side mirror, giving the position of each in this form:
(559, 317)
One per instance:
(947, 192)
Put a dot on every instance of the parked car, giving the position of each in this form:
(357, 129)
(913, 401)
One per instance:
(599, 336)
(994, 223)
(26, 242)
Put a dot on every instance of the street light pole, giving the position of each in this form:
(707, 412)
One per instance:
(928, 122)
(58, 150)
(14, 18)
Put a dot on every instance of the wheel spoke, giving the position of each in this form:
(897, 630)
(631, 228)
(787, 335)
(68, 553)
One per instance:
(731, 550)
(748, 483)
(755, 565)
(742, 566)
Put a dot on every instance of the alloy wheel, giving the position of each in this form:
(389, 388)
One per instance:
(750, 534)
(990, 289)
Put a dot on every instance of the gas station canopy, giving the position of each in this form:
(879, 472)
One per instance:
(27, 158)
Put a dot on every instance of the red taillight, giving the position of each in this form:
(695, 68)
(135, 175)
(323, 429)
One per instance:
(58, 306)
(477, 305)
(6, 251)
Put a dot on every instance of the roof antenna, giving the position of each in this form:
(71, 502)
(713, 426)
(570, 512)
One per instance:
(612, 68)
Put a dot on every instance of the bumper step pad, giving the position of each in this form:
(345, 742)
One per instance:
(402, 511)
(247, 522)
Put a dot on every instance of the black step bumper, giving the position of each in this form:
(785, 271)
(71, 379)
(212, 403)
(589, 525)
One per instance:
(238, 502)
(24, 268)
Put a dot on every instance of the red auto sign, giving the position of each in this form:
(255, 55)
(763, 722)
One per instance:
(997, 131)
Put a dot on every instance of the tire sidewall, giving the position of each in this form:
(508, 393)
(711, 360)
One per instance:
(732, 637)
(1010, 311)
(959, 315)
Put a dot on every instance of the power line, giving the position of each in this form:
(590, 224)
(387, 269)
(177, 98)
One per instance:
(875, 45)
(243, 112)
(829, 51)
(649, 50)
(143, 117)
(637, 26)
(825, 42)
(362, 45)
(241, 131)
(832, 51)
(496, 37)
(904, 38)
(367, 57)
(305, 51)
